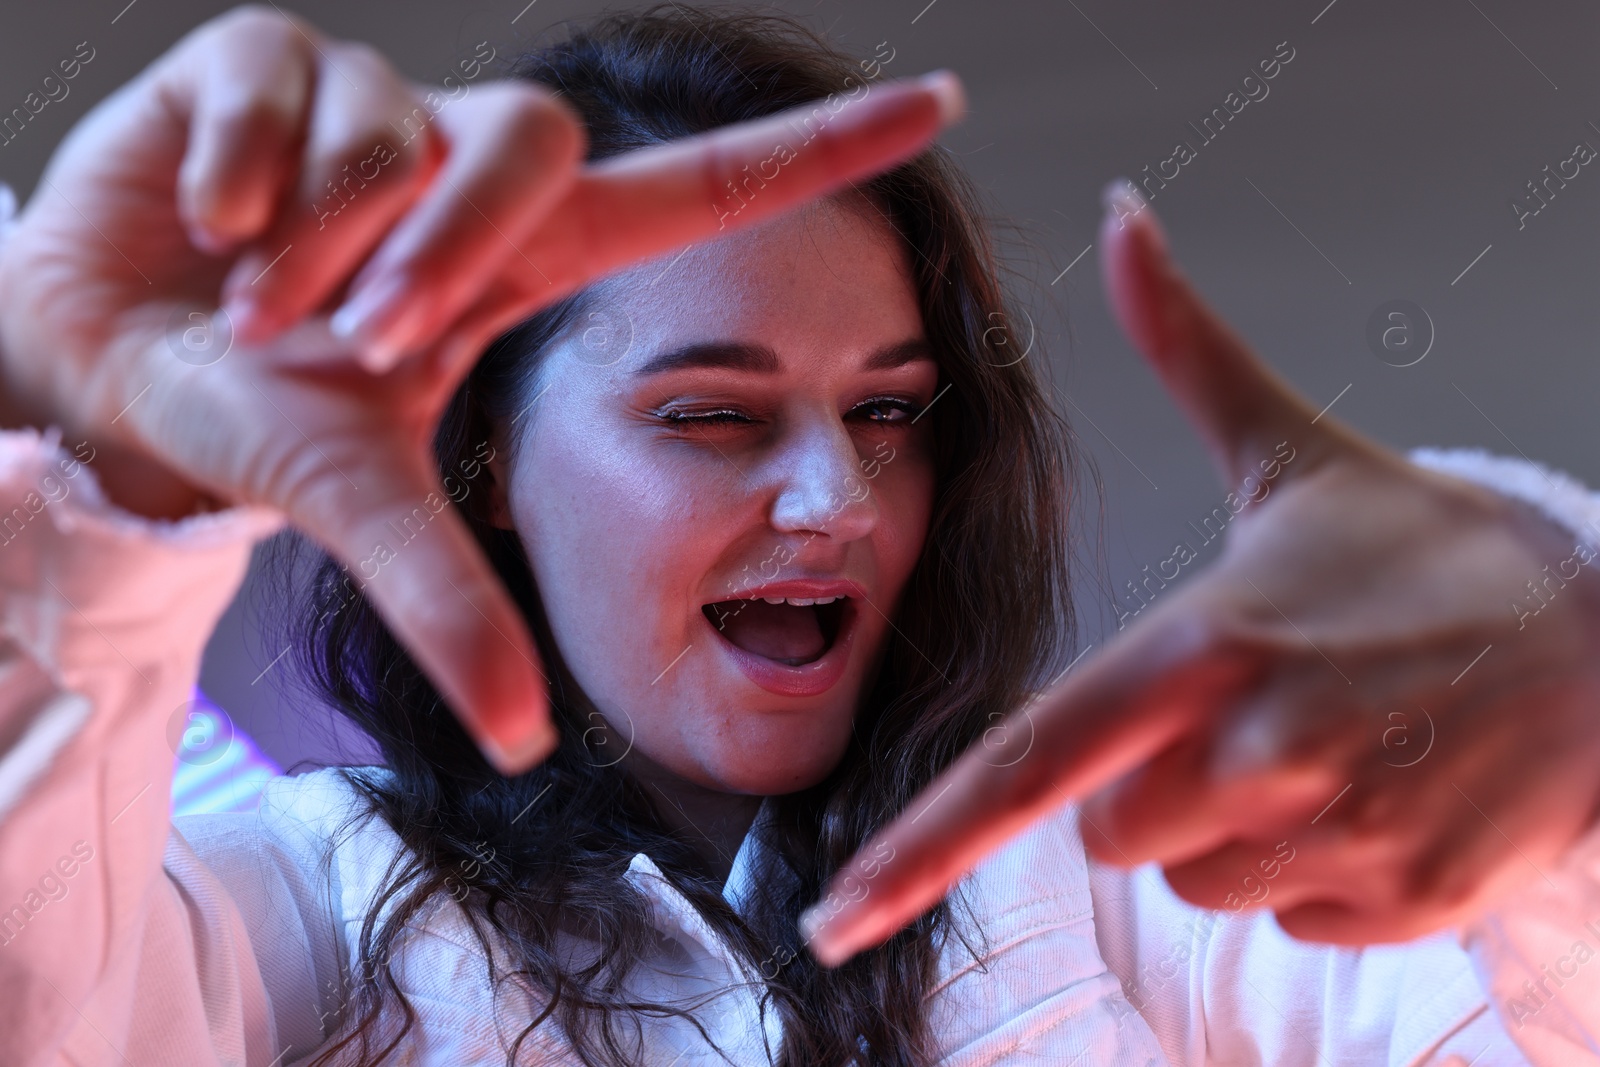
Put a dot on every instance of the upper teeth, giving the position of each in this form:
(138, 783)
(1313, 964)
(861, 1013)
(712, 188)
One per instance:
(801, 601)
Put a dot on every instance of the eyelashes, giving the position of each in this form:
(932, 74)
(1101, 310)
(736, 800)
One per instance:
(904, 407)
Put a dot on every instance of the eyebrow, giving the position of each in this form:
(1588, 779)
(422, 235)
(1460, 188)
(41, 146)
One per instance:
(752, 358)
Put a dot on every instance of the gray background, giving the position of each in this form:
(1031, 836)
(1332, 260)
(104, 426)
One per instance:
(1380, 166)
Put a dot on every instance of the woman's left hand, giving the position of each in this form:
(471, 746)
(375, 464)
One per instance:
(1347, 718)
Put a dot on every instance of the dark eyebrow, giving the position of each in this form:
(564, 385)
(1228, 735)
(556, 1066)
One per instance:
(752, 358)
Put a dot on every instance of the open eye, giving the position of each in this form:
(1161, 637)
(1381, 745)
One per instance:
(891, 409)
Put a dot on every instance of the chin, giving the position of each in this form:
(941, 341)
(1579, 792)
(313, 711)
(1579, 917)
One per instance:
(765, 762)
(770, 782)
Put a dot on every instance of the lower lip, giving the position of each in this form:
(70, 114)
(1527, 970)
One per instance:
(806, 680)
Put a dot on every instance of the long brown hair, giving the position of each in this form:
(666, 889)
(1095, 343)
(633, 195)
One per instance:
(985, 619)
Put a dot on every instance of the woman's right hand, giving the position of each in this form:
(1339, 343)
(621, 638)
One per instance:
(207, 182)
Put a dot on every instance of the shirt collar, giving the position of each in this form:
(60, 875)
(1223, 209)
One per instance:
(676, 917)
(739, 888)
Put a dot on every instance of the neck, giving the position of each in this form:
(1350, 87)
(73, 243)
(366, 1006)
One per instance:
(715, 823)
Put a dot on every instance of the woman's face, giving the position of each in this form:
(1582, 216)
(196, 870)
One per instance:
(656, 537)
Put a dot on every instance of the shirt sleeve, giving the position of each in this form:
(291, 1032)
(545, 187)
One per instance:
(114, 947)
(1533, 954)
(1515, 986)
(1220, 987)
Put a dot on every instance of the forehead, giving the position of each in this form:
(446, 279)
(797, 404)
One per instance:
(832, 274)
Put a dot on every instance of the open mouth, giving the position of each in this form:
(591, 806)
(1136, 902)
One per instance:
(784, 632)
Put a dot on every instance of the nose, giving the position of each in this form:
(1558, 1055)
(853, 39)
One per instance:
(822, 490)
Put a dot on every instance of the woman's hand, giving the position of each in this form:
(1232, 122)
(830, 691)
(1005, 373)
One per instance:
(257, 165)
(1345, 719)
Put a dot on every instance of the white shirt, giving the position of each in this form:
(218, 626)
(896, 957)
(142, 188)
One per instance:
(128, 938)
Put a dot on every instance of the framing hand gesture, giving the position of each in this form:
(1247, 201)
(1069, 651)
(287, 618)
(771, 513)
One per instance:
(1243, 731)
(205, 182)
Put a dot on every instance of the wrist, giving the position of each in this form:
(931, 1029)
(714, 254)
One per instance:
(136, 483)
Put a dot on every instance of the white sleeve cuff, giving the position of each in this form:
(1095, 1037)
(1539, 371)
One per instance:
(1559, 496)
(70, 559)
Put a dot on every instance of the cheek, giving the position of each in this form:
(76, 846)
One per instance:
(904, 489)
(616, 538)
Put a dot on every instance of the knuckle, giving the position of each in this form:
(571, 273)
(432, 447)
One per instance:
(1132, 813)
(1027, 785)
(253, 27)
(1387, 858)
(248, 19)
(365, 55)
(1422, 882)
(1437, 881)
(253, 118)
(1198, 885)
(299, 482)
(364, 158)
(1374, 814)
(1371, 843)
(410, 159)
(1363, 828)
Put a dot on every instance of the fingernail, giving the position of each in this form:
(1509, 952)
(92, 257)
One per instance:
(811, 921)
(813, 924)
(512, 756)
(246, 317)
(207, 241)
(1123, 201)
(378, 319)
(378, 356)
(948, 91)
(825, 936)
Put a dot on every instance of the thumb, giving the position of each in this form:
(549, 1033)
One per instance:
(414, 557)
(1242, 409)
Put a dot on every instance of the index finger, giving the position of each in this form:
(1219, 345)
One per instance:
(650, 201)
(1142, 692)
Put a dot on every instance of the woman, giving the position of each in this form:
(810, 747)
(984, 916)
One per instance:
(663, 468)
